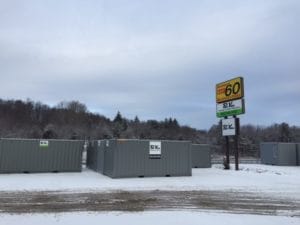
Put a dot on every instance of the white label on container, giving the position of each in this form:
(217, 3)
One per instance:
(107, 143)
(155, 148)
(44, 143)
(99, 142)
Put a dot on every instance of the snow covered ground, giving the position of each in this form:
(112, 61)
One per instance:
(250, 177)
(147, 218)
(261, 179)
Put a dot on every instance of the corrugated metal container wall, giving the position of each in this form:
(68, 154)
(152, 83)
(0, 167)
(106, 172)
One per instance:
(177, 157)
(281, 154)
(267, 151)
(95, 156)
(109, 157)
(132, 158)
(201, 156)
(32, 155)
(129, 158)
(298, 154)
(287, 154)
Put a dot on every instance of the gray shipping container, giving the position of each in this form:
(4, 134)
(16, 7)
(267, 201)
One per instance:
(34, 155)
(201, 156)
(298, 153)
(281, 154)
(140, 158)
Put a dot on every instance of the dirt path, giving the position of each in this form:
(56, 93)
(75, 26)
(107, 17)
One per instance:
(233, 202)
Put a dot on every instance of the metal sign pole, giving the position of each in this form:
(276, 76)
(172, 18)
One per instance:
(236, 143)
(227, 162)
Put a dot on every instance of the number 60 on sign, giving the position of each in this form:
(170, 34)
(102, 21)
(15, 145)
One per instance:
(230, 90)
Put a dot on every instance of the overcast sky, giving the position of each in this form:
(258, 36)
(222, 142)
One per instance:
(154, 58)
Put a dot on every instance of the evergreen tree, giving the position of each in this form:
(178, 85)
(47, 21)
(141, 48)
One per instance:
(284, 130)
(118, 118)
(136, 120)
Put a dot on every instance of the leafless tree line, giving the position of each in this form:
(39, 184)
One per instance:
(72, 120)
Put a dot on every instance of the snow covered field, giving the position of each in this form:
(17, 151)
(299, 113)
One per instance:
(146, 218)
(259, 179)
(250, 177)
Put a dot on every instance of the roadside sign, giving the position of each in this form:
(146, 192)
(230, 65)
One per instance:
(231, 108)
(230, 90)
(228, 127)
(230, 102)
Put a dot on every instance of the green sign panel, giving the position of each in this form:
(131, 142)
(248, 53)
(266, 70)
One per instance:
(231, 108)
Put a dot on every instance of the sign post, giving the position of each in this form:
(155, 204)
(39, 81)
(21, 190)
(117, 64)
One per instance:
(236, 143)
(230, 102)
(227, 161)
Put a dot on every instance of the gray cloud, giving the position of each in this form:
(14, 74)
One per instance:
(154, 59)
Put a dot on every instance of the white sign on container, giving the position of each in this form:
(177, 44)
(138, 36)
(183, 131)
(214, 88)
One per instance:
(228, 127)
(155, 148)
(44, 143)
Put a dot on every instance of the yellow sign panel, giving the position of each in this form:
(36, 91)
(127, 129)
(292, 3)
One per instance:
(230, 90)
